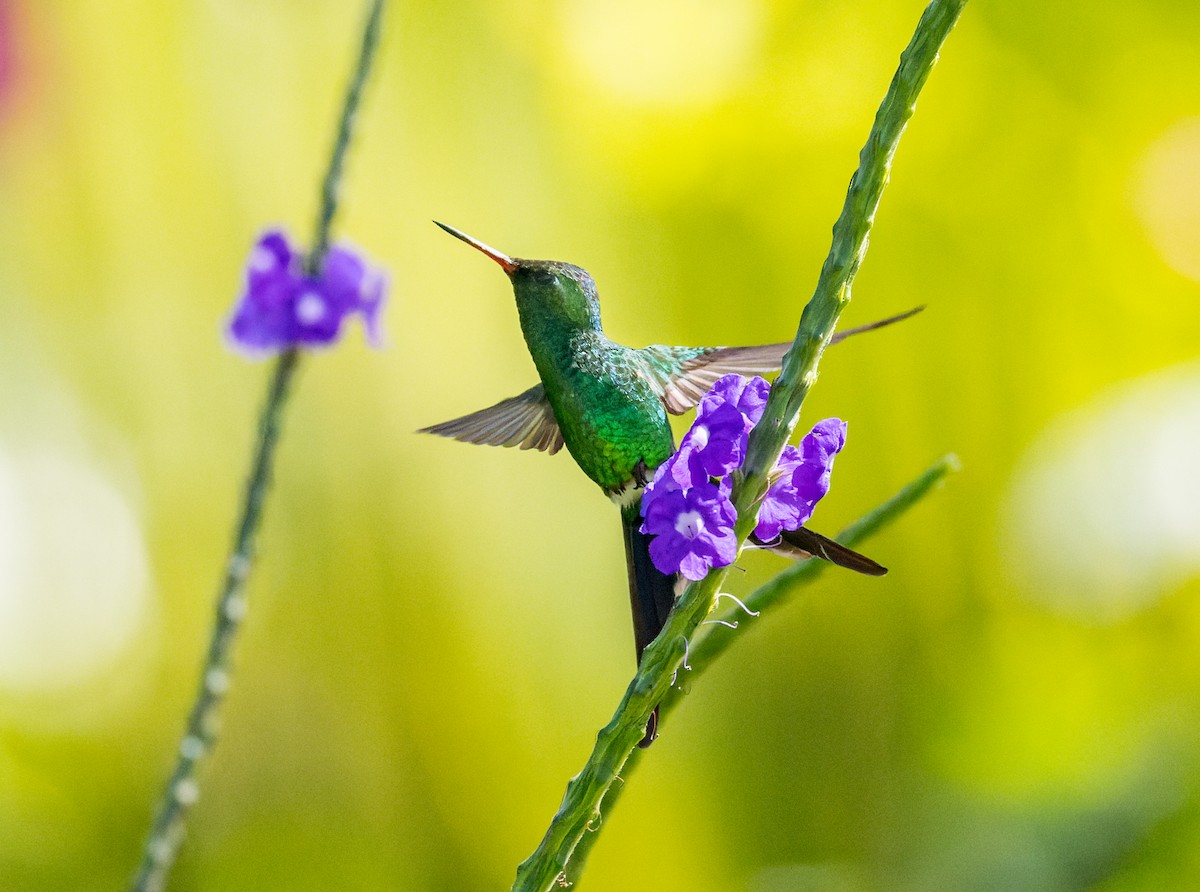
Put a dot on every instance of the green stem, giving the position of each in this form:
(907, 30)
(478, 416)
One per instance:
(850, 238)
(714, 640)
(708, 646)
(200, 734)
(662, 659)
(337, 158)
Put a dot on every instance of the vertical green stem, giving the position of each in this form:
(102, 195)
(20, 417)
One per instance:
(660, 661)
(200, 734)
(333, 175)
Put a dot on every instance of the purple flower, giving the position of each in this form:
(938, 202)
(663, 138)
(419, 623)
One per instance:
(692, 528)
(716, 442)
(804, 479)
(712, 448)
(747, 395)
(686, 507)
(281, 307)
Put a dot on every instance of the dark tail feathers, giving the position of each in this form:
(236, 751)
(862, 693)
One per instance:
(651, 594)
(803, 543)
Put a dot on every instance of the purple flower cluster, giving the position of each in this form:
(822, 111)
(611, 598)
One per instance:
(801, 479)
(687, 507)
(282, 307)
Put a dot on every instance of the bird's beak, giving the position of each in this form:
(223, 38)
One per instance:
(506, 263)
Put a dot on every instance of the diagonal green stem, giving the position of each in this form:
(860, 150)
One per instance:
(200, 734)
(708, 646)
(662, 659)
(715, 639)
(337, 158)
(850, 238)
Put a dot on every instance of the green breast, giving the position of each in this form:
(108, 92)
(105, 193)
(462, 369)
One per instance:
(610, 416)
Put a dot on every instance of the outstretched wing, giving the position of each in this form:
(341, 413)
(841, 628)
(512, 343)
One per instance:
(525, 420)
(682, 375)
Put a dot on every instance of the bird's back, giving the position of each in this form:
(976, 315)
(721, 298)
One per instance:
(610, 415)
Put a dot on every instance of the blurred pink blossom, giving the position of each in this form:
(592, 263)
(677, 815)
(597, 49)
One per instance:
(7, 43)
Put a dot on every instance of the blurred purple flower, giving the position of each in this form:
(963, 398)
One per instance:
(692, 528)
(804, 479)
(281, 307)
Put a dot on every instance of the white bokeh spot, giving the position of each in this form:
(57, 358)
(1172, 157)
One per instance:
(73, 573)
(262, 260)
(1103, 512)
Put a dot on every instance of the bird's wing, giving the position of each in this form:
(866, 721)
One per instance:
(683, 375)
(525, 420)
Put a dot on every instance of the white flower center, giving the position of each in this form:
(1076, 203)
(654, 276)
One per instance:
(310, 308)
(262, 260)
(689, 524)
(700, 436)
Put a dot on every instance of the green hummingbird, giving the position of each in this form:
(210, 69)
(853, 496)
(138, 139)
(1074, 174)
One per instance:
(608, 404)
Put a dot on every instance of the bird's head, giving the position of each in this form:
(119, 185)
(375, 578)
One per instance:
(548, 289)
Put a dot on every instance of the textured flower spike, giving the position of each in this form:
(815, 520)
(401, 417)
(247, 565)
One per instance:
(803, 479)
(282, 307)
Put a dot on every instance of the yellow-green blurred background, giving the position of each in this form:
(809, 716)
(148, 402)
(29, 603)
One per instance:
(436, 631)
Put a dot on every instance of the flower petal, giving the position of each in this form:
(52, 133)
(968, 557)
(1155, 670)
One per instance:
(692, 529)
(804, 481)
(747, 395)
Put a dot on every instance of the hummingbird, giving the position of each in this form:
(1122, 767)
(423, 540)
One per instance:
(609, 405)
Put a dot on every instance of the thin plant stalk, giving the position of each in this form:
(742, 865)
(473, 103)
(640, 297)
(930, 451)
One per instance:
(200, 734)
(716, 637)
(665, 656)
(721, 635)
(331, 184)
